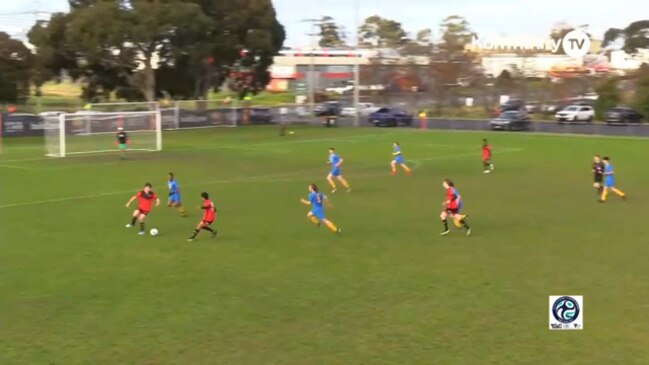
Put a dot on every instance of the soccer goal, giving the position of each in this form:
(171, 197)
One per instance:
(95, 132)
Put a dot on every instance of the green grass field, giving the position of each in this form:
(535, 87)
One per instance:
(79, 288)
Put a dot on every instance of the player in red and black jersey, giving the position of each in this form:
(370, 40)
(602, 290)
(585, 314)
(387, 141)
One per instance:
(451, 209)
(486, 157)
(145, 199)
(209, 216)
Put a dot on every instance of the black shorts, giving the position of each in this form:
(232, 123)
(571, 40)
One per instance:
(451, 211)
(598, 179)
(207, 223)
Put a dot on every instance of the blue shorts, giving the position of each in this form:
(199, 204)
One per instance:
(318, 213)
(335, 171)
(459, 206)
(175, 198)
(609, 182)
(399, 159)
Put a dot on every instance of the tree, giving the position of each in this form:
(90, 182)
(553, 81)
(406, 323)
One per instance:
(641, 96)
(128, 45)
(634, 37)
(15, 69)
(608, 97)
(456, 34)
(133, 38)
(422, 45)
(382, 33)
(331, 34)
(240, 45)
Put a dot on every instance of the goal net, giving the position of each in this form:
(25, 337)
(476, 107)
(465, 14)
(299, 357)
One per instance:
(95, 132)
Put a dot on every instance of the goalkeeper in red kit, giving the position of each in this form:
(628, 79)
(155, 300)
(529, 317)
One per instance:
(486, 157)
(209, 216)
(145, 199)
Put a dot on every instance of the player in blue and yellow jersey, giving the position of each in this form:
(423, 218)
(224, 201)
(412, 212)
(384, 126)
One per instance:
(316, 215)
(175, 200)
(399, 160)
(336, 161)
(609, 181)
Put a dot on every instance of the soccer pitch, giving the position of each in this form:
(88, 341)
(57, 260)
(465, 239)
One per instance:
(79, 288)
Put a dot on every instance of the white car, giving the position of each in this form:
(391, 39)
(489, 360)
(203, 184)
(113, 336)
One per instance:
(576, 113)
(349, 111)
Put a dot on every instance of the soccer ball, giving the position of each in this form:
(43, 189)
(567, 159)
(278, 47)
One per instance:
(154, 231)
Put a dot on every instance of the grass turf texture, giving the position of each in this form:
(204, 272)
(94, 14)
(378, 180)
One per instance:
(79, 288)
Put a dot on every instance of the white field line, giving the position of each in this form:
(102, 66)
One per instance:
(16, 167)
(257, 179)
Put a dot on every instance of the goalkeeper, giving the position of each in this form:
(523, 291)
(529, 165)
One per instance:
(122, 141)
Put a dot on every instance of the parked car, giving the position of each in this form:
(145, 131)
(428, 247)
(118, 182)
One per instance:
(261, 116)
(50, 114)
(532, 107)
(513, 120)
(576, 113)
(390, 117)
(330, 108)
(622, 115)
(349, 111)
(512, 104)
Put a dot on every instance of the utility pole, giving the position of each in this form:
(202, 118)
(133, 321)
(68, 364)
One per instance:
(357, 66)
(311, 81)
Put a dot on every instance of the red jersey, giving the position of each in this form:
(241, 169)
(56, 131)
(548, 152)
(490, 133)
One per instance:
(451, 198)
(486, 152)
(145, 200)
(210, 211)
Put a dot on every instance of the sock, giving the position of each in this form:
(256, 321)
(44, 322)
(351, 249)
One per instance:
(464, 223)
(345, 184)
(194, 234)
(331, 226)
(141, 226)
(445, 223)
(133, 221)
(604, 194)
(209, 229)
(406, 168)
(618, 192)
(485, 166)
(333, 184)
(314, 220)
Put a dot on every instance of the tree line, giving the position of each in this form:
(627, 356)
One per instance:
(146, 49)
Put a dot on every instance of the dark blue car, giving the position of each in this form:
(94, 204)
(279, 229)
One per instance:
(390, 117)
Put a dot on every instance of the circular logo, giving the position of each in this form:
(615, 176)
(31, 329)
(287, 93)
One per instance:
(576, 43)
(565, 309)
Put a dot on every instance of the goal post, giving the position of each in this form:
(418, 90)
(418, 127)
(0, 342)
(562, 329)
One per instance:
(95, 132)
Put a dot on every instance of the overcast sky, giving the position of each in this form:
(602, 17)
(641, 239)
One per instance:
(487, 17)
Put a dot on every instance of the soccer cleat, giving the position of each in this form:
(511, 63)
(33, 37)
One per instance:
(339, 231)
(487, 171)
(468, 232)
(445, 233)
(190, 239)
(141, 233)
(333, 191)
(129, 225)
(349, 190)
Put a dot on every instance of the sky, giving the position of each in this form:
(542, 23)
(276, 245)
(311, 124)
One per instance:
(489, 18)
